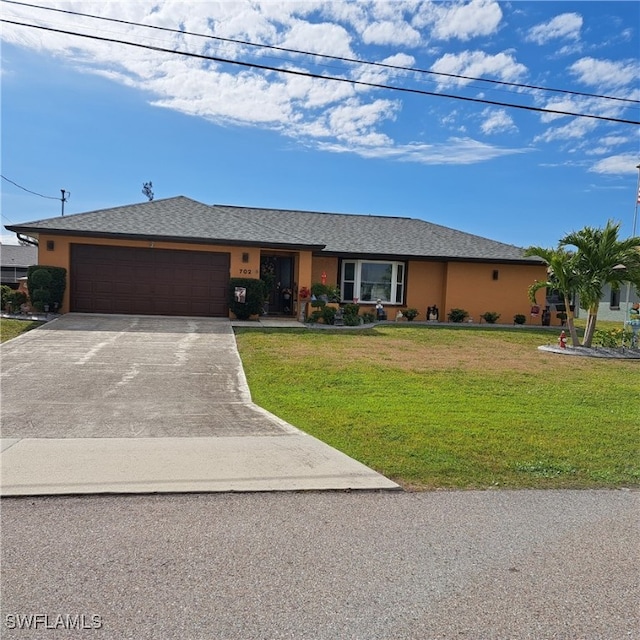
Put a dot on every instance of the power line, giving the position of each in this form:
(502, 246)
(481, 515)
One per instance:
(35, 193)
(308, 74)
(327, 56)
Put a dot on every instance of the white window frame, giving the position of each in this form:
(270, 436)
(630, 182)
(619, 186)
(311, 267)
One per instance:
(397, 283)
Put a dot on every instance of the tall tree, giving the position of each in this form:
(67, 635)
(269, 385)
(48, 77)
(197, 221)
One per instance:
(602, 259)
(562, 275)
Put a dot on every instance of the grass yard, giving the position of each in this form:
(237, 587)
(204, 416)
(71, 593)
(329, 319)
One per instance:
(11, 328)
(441, 407)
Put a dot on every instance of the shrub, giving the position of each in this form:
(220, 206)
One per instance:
(368, 317)
(6, 292)
(519, 318)
(328, 314)
(611, 338)
(46, 285)
(410, 313)
(254, 299)
(352, 320)
(320, 290)
(350, 314)
(314, 316)
(490, 317)
(457, 315)
(16, 299)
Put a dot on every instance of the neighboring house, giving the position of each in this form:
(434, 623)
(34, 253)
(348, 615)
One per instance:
(15, 260)
(175, 257)
(613, 305)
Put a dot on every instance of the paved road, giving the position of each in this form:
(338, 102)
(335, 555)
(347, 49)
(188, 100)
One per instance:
(499, 565)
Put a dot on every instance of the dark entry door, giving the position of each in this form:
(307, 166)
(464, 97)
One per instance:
(277, 271)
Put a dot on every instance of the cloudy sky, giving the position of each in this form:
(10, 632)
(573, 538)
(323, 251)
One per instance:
(455, 112)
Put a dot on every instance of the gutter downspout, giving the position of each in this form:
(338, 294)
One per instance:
(27, 240)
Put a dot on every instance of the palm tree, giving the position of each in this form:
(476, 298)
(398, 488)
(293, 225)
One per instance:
(562, 274)
(602, 259)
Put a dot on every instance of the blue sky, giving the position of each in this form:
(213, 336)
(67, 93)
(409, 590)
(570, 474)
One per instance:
(99, 119)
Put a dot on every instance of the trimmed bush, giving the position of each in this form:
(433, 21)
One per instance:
(46, 285)
(457, 315)
(254, 298)
(490, 317)
(519, 318)
(328, 314)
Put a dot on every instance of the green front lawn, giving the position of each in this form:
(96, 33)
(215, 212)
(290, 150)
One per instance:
(11, 328)
(448, 407)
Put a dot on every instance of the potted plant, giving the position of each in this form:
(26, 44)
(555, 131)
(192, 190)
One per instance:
(410, 313)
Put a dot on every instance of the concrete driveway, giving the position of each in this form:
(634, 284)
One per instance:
(96, 403)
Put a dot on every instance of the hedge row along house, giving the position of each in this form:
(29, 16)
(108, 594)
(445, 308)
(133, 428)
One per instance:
(176, 256)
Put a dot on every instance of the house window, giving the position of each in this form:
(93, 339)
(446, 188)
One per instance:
(370, 281)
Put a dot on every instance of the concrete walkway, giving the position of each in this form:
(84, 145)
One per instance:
(136, 404)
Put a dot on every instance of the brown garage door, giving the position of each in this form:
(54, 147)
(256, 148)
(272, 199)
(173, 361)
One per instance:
(130, 280)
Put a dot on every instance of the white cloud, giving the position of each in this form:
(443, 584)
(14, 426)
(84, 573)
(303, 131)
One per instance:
(391, 33)
(476, 64)
(460, 20)
(331, 39)
(497, 121)
(601, 146)
(606, 73)
(382, 75)
(620, 164)
(456, 151)
(565, 26)
(577, 129)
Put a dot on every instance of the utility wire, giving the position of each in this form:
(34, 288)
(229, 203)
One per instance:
(307, 74)
(28, 190)
(327, 56)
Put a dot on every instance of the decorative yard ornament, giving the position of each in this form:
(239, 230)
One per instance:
(562, 340)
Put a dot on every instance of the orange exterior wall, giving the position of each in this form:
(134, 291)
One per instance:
(450, 285)
(471, 286)
(60, 256)
(463, 285)
(325, 265)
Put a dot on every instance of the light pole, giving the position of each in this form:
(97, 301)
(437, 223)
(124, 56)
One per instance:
(627, 315)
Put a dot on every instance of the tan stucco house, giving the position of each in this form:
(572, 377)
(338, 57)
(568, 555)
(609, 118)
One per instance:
(176, 256)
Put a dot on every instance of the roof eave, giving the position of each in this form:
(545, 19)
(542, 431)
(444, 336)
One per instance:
(35, 232)
(446, 258)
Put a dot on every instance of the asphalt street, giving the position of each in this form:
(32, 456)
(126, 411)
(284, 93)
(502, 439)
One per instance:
(487, 565)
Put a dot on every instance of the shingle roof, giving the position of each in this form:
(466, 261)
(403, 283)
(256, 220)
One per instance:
(12, 255)
(184, 219)
(380, 235)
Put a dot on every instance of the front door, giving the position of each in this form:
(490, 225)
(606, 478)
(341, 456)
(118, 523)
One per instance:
(277, 272)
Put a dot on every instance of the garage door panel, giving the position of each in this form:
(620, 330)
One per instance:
(108, 279)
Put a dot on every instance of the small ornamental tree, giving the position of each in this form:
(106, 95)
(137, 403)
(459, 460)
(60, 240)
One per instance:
(602, 259)
(562, 274)
(46, 285)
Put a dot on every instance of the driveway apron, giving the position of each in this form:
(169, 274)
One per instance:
(102, 403)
